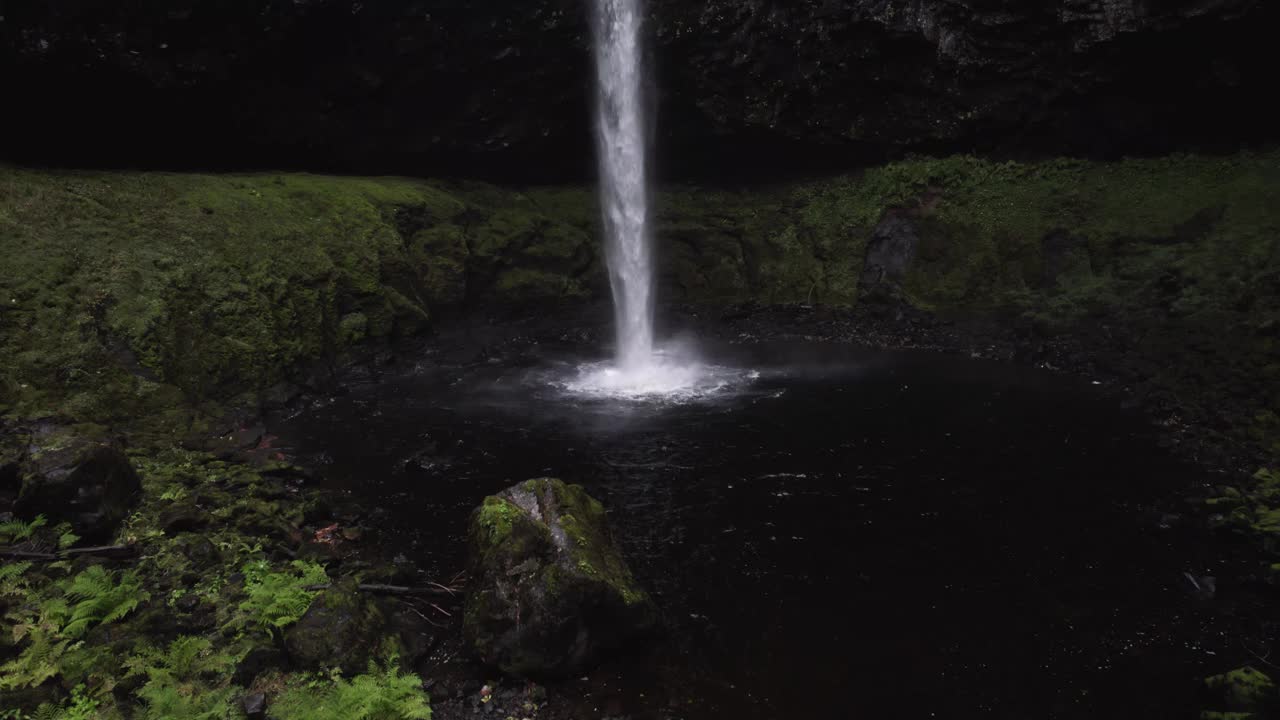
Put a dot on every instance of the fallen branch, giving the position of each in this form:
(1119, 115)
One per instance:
(390, 589)
(111, 551)
(25, 555)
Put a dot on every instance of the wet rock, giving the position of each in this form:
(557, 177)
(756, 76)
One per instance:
(1063, 253)
(12, 450)
(889, 255)
(248, 436)
(255, 662)
(426, 458)
(347, 629)
(1245, 690)
(77, 475)
(341, 629)
(550, 593)
(254, 705)
(13, 447)
(198, 549)
(182, 517)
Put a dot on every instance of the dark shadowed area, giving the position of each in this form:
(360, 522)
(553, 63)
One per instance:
(849, 533)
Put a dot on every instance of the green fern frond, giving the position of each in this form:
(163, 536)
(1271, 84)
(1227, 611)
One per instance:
(102, 597)
(379, 694)
(174, 689)
(80, 706)
(12, 578)
(67, 539)
(17, 530)
(278, 599)
(37, 663)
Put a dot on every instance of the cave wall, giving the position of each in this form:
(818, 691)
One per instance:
(501, 89)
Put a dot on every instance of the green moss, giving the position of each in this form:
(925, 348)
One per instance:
(124, 294)
(584, 523)
(1245, 690)
(497, 515)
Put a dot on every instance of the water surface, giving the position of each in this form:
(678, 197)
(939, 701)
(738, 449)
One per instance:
(846, 534)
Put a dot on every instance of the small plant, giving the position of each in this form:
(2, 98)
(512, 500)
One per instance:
(41, 658)
(174, 494)
(380, 694)
(80, 706)
(53, 628)
(101, 597)
(182, 680)
(13, 581)
(66, 538)
(16, 530)
(278, 599)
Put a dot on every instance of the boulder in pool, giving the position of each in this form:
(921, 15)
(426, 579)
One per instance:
(550, 594)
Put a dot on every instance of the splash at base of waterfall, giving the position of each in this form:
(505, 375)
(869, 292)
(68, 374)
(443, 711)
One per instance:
(665, 377)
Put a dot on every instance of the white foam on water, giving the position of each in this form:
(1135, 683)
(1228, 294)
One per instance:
(665, 378)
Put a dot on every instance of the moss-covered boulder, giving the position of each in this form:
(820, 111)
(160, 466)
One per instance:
(550, 593)
(347, 629)
(341, 629)
(1243, 693)
(78, 475)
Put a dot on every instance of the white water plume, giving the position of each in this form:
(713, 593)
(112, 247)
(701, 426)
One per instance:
(624, 176)
(639, 370)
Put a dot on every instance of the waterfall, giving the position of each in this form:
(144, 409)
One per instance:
(640, 371)
(624, 188)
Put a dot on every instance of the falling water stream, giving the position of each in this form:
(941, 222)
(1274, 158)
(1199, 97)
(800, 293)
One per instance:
(623, 177)
(641, 369)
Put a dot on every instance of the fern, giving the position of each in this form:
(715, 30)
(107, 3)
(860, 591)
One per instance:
(278, 599)
(103, 597)
(78, 707)
(66, 539)
(13, 581)
(171, 702)
(17, 530)
(52, 629)
(37, 663)
(379, 694)
(174, 688)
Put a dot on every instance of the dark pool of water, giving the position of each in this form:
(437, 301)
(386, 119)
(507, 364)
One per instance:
(852, 534)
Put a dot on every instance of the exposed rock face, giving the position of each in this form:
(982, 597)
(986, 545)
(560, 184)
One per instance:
(549, 591)
(889, 254)
(503, 88)
(1063, 253)
(80, 476)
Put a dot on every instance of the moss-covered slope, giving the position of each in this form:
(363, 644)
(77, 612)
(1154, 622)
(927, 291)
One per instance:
(123, 293)
(128, 292)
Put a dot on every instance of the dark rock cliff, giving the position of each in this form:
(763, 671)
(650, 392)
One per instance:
(502, 89)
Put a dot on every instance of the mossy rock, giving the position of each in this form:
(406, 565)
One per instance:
(550, 593)
(342, 629)
(78, 475)
(347, 629)
(1244, 692)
